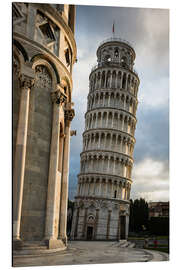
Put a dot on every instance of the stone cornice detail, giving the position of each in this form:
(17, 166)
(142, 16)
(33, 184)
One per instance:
(111, 109)
(98, 175)
(88, 197)
(106, 130)
(99, 152)
(115, 91)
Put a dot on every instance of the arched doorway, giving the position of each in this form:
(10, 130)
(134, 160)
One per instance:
(90, 227)
(123, 227)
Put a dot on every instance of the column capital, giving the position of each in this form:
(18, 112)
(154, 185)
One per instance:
(26, 82)
(58, 96)
(69, 113)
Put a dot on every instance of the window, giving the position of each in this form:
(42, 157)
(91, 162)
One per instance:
(67, 57)
(115, 193)
(47, 32)
(116, 53)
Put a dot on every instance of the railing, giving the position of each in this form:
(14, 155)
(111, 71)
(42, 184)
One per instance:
(116, 39)
(113, 64)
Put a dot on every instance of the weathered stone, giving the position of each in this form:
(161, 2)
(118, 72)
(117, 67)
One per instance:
(39, 124)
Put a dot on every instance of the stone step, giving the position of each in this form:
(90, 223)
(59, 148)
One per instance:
(131, 245)
(34, 245)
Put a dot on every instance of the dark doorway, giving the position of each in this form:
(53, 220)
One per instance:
(123, 227)
(89, 233)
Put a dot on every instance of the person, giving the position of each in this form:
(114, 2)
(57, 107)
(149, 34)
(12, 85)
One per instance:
(155, 242)
(146, 240)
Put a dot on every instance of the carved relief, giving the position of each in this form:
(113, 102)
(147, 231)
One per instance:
(26, 82)
(42, 78)
(58, 97)
(69, 114)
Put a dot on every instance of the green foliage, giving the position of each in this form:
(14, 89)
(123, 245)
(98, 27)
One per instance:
(138, 215)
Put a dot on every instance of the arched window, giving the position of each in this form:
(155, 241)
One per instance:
(67, 56)
(116, 53)
(103, 79)
(124, 81)
(124, 61)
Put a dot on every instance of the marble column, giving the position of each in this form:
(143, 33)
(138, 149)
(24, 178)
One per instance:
(69, 114)
(84, 223)
(76, 223)
(54, 178)
(26, 82)
(108, 224)
(96, 223)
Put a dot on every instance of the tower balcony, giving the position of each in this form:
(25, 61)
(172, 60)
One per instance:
(113, 64)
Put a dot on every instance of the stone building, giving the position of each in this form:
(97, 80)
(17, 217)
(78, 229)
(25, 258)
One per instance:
(104, 183)
(158, 209)
(44, 51)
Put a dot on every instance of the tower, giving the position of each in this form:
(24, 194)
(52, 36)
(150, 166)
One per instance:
(44, 51)
(104, 183)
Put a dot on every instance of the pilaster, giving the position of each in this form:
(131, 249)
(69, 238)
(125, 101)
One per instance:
(26, 82)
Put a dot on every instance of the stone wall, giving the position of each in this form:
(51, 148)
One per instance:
(37, 160)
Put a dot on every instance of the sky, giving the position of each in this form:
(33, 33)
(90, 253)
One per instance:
(148, 32)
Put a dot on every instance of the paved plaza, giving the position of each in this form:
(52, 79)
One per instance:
(92, 252)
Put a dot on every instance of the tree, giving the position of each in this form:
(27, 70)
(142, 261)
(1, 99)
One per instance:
(138, 215)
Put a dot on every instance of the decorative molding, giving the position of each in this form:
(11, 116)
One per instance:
(69, 113)
(73, 132)
(42, 77)
(26, 82)
(58, 97)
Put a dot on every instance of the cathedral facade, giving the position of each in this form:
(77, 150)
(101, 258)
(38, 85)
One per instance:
(44, 51)
(104, 183)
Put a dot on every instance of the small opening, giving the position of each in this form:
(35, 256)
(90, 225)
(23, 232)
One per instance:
(116, 53)
(115, 193)
(67, 57)
(46, 30)
(108, 58)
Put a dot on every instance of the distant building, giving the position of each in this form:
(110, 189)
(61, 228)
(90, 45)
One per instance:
(158, 209)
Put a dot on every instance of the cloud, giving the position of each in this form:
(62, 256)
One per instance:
(150, 180)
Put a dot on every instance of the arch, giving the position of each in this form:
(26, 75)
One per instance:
(40, 57)
(108, 79)
(116, 52)
(21, 49)
(113, 79)
(124, 81)
(103, 79)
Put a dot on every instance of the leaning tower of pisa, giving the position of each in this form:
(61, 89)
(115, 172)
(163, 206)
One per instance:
(104, 183)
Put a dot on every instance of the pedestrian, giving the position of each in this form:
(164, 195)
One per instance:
(146, 240)
(155, 242)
